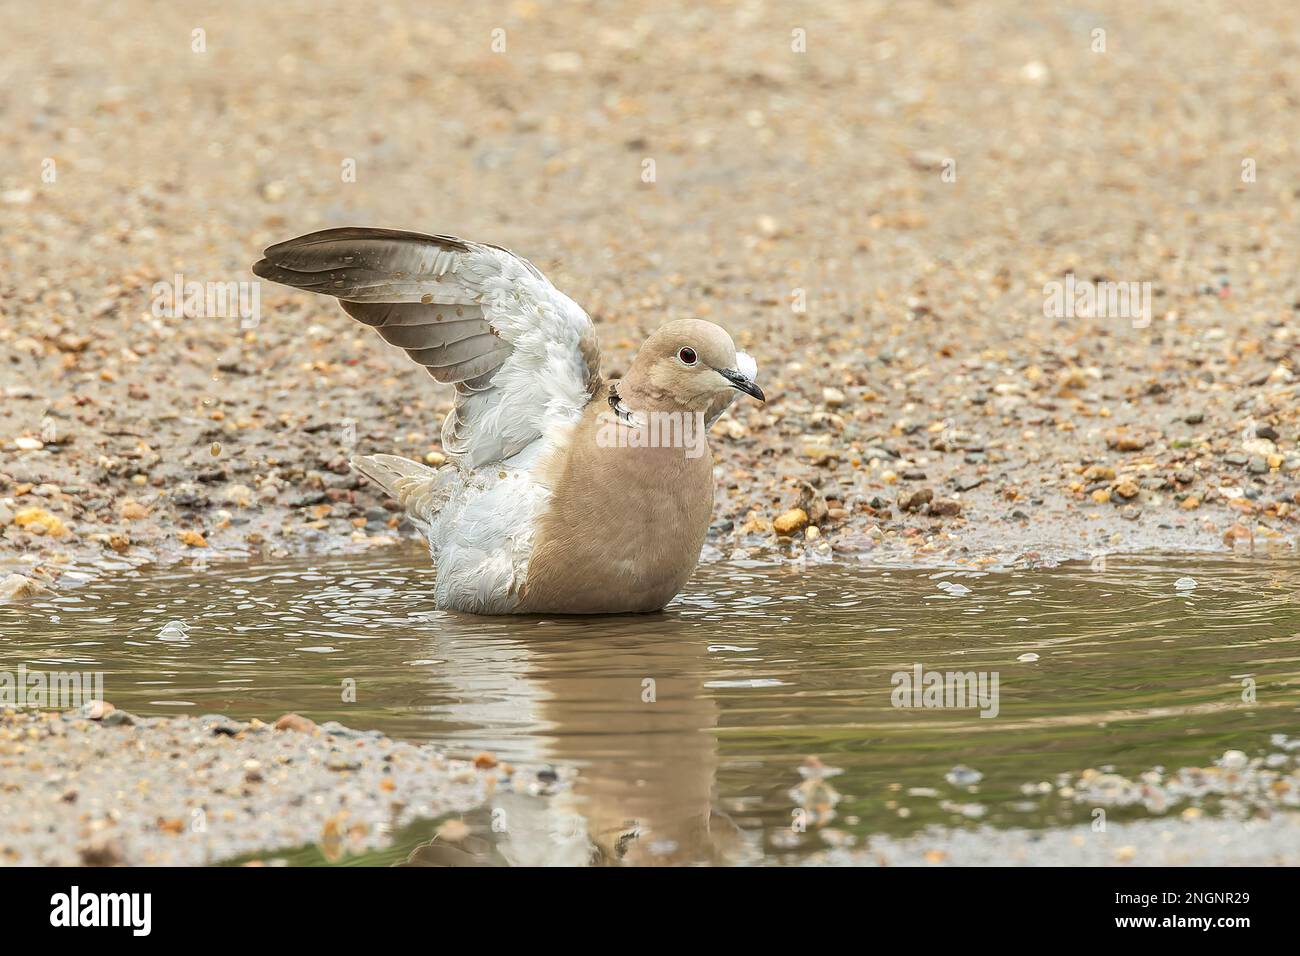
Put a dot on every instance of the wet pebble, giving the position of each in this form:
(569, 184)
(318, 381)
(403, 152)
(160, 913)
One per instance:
(963, 776)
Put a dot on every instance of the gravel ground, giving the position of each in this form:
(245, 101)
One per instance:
(188, 791)
(923, 407)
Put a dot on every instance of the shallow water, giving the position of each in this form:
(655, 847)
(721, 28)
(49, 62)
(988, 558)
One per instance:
(690, 729)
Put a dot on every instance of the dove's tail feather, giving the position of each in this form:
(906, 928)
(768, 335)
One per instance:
(418, 488)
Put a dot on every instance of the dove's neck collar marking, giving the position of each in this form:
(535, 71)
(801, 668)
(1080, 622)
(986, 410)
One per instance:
(621, 411)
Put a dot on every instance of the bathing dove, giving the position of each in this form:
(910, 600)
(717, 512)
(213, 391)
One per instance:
(561, 494)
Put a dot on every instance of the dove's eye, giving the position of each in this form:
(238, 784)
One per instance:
(687, 355)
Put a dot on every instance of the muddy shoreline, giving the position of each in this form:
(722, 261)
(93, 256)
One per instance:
(124, 790)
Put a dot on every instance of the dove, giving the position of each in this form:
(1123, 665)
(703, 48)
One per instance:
(561, 494)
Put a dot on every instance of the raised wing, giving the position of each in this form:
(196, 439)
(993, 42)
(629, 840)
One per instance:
(522, 355)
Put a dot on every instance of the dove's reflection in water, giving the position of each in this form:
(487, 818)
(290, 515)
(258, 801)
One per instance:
(624, 702)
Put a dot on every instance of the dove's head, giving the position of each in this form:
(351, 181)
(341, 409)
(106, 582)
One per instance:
(692, 364)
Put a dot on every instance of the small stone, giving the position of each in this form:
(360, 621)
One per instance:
(1233, 760)
(1190, 503)
(963, 776)
(1028, 658)
(1101, 495)
(733, 429)
(24, 443)
(15, 587)
(853, 543)
(435, 458)
(1126, 489)
(1099, 473)
(1257, 466)
(225, 728)
(239, 495)
(132, 510)
(821, 454)
(794, 520)
(193, 539)
(1121, 440)
(832, 397)
(1185, 584)
(914, 500)
(101, 851)
(945, 506)
(297, 723)
(1238, 536)
(452, 831)
(39, 521)
(485, 760)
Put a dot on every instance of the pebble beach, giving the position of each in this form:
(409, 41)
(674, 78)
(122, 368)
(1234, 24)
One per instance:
(106, 788)
(875, 201)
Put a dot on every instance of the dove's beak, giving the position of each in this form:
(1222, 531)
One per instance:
(742, 382)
